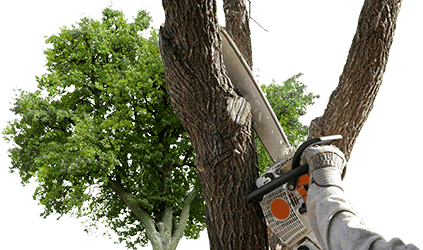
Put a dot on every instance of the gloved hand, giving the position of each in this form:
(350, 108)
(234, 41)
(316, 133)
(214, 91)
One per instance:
(327, 165)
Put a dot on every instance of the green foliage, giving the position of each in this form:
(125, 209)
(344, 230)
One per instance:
(289, 102)
(102, 114)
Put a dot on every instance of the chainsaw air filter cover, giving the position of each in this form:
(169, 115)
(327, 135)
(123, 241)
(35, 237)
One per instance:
(281, 208)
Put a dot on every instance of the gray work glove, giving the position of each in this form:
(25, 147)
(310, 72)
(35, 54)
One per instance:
(327, 165)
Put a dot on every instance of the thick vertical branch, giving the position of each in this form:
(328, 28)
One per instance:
(238, 27)
(217, 121)
(351, 102)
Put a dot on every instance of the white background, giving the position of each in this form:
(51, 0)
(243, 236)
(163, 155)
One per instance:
(313, 37)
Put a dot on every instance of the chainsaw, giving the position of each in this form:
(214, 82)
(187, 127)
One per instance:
(282, 189)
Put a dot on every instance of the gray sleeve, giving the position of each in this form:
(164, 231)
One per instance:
(337, 225)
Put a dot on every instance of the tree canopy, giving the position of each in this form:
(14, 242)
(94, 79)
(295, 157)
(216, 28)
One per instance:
(100, 137)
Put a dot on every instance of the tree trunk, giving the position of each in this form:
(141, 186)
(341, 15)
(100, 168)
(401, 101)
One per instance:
(217, 120)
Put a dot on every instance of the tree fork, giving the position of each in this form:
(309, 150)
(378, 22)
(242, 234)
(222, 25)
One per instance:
(217, 120)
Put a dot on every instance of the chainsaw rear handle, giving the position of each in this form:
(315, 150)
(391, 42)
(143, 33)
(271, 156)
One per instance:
(295, 172)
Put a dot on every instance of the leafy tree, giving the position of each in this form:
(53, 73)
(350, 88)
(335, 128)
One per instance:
(102, 141)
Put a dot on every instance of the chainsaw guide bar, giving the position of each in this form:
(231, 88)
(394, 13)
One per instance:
(266, 124)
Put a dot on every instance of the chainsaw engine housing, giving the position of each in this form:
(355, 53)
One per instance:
(290, 226)
(284, 195)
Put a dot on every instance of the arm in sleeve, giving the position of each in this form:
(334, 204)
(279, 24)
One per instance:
(337, 226)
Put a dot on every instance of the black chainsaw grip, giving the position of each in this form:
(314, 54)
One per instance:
(295, 172)
(257, 194)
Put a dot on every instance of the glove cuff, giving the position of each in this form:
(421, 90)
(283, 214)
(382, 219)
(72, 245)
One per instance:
(326, 177)
(328, 159)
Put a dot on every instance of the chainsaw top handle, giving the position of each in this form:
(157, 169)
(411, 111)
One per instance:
(324, 140)
(296, 171)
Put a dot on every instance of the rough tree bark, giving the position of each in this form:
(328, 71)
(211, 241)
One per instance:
(351, 102)
(237, 24)
(217, 120)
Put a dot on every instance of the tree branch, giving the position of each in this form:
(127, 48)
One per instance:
(258, 23)
(184, 215)
(140, 213)
(186, 157)
(351, 102)
(238, 27)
